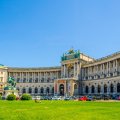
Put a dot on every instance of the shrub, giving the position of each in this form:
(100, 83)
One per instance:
(11, 97)
(0, 97)
(26, 97)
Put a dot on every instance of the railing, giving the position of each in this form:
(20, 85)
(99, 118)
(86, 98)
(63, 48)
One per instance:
(101, 76)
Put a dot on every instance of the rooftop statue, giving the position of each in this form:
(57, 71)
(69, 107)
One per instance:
(71, 51)
(71, 54)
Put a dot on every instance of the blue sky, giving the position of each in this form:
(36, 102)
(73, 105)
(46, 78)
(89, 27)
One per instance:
(35, 33)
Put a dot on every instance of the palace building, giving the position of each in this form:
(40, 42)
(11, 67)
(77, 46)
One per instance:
(78, 74)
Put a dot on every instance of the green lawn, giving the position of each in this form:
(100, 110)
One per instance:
(59, 110)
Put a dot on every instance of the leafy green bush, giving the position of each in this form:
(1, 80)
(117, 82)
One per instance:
(26, 97)
(11, 97)
(0, 97)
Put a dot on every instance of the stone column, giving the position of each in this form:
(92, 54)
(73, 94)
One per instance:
(22, 76)
(96, 90)
(107, 68)
(65, 87)
(78, 69)
(57, 74)
(74, 70)
(103, 68)
(32, 77)
(19, 77)
(90, 90)
(55, 90)
(115, 88)
(58, 88)
(83, 89)
(64, 70)
(33, 88)
(72, 88)
(44, 76)
(116, 65)
(38, 76)
(108, 88)
(27, 77)
(102, 89)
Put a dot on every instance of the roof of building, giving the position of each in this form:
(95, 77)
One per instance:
(104, 58)
(35, 68)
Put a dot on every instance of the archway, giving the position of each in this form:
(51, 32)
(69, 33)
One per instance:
(30, 90)
(105, 88)
(24, 90)
(92, 89)
(61, 89)
(47, 90)
(86, 89)
(42, 90)
(118, 87)
(99, 88)
(111, 88)
(53, 90)
(36, 90)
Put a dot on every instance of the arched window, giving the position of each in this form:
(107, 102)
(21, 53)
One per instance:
(93, 89)
(36, 90)
(118, 87)
(23, 90)
(42, 80)
(36, 80)
(30, 90)
(48, 80)
(105, 88)
(86, 89)
(111, 88)
(99, 88)
(30, 80)
(24, 80)
(47, 90)
(42, 90)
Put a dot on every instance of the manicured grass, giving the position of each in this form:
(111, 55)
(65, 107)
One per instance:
(59, 110)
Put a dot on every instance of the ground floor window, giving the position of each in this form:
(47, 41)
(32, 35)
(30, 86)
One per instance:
(24, 90)
(30, 90)
(118, 87)
(36, 90)
(111, 88)
(42, 90)
(99, 88)
(53, 90)
(47, 90)
(93, 89)
(105, 88)
(86, 89)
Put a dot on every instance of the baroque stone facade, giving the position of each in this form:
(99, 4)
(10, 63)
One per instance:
(78, 74)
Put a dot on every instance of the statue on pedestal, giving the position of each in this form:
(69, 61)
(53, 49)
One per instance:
(11, 87)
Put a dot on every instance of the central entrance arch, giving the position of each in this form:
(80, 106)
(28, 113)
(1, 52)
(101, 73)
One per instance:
(61, 89)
